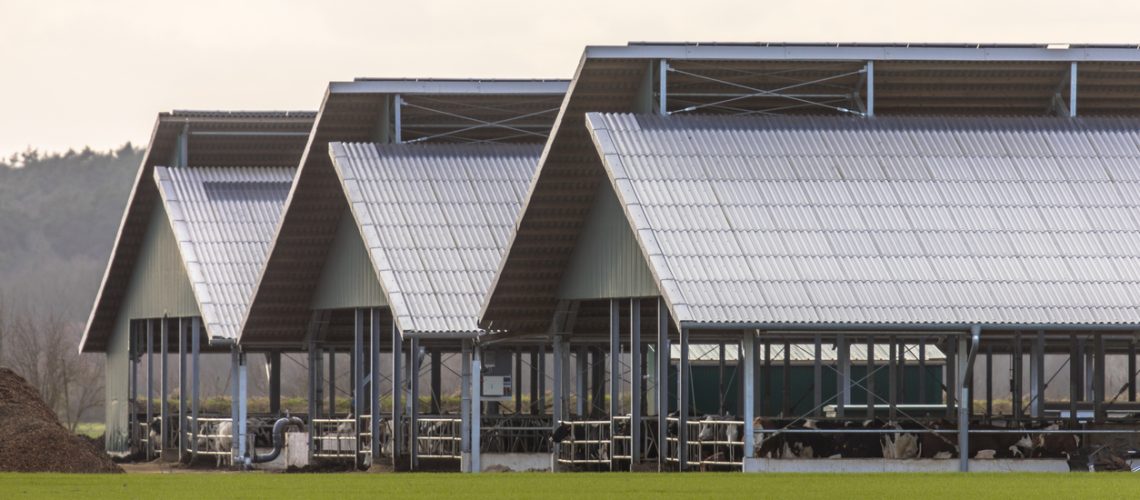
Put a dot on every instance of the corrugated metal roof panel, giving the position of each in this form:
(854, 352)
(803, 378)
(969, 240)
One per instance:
(441, 227)
(1024, 223)
(805, 353)
(224, 219)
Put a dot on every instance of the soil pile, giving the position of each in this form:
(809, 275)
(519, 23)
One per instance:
(33, 440)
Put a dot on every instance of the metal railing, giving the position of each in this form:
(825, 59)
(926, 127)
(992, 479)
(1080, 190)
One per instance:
(439, 437)
(334, 438)
(215, 437)
(716, 442)
(588, 442)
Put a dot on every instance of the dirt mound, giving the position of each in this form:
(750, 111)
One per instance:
(33, 440)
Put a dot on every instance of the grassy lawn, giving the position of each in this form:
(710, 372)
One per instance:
(577, 486)
(90, 429)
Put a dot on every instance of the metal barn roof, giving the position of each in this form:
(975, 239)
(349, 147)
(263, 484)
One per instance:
(435, 219)
(908, 80)
(431, 111)
(805, 353)
(223, 219)
(891, 221)
(215, 138)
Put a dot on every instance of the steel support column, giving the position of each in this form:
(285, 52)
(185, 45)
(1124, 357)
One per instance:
(164, 389)
(436, 381)
(893, 379)
(150, 446)
(533, 381)
(720, 379)
(182, 341)
(1074, 379)
(842, 376)
(869, 381)
(1015, 391)
(476, 409)
(1073, 90)
(615, 370)
(332, 382)
(581, 391)
(662, 89)
(870, 68)
(397, 393)
(786, 393)
(195, 374)
(1099, 396)
(635, 381)
(989, 383)
(662, 382)
(518, 380)
(241, 429)
(374, 383)
(963, 405)
(358, 397)
(275, 382)
(747, 358)
(1037, 377)
(1132, 371)
(414, 401)
(817, 378)
(922, 370)
(465, 405)
(559, 382)
(683, 385)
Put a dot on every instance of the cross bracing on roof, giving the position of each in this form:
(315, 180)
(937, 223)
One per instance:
(749, 91)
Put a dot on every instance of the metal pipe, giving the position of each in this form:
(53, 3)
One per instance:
(966, 357)
(662, 88)
(869, 384)
(892, 379)
(278, 439)
(922, 370)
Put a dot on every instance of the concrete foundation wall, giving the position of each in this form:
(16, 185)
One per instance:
(515, 462)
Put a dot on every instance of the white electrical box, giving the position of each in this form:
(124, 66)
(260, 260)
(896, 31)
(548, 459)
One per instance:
(496, 387)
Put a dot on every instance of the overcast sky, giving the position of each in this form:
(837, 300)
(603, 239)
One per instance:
(95, 73)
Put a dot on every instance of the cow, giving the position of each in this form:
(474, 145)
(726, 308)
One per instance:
(217, 438)
(900, 445)
(1055, 445)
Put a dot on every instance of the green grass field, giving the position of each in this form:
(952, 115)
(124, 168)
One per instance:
(577, 486)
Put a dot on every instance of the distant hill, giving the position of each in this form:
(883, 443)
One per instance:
(59, 214)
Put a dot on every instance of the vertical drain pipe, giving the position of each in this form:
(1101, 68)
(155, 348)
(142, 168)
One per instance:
(965, 371)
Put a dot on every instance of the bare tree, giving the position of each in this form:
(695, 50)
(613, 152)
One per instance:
(42, 346)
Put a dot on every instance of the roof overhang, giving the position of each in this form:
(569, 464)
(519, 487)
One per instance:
(213, 138)
(433, 110)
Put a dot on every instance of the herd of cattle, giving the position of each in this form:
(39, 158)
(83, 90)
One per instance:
(716, 439)
(904, 440)
(719, 441)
